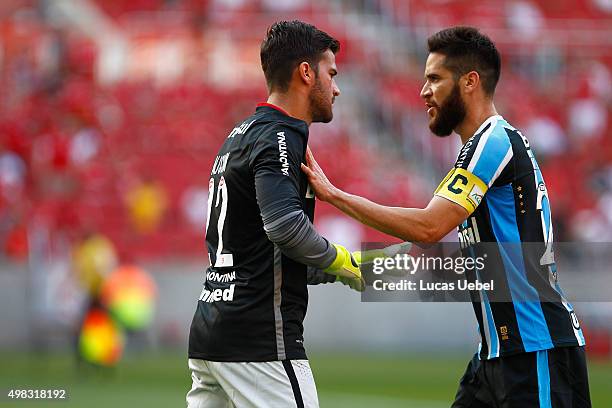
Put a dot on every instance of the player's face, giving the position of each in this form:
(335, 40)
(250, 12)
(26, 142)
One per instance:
(325, 90)
(445, 106)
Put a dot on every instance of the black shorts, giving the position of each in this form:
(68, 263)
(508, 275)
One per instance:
(555, 378)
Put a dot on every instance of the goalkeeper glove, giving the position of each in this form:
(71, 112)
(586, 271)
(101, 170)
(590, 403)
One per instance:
(366, 257)
(346, 269)
(346, 266)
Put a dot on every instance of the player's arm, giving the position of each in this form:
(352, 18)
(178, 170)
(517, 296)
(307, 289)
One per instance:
(276, 177)
(425, 225)
(455, 199)
(275, 164)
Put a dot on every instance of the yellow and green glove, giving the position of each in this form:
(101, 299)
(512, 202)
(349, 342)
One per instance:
(346, 266)
(346, 269)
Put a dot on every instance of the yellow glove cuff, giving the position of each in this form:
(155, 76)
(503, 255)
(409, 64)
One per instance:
(342, 255)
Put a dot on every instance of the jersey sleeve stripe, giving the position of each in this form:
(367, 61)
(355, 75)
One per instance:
(502, 165)
(479, 148)
(490, 162)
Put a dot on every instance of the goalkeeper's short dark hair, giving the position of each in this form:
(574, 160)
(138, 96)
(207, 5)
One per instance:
(289, 43)
(467, 49)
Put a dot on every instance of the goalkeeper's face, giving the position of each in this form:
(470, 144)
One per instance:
(445, 106)
(324, 91)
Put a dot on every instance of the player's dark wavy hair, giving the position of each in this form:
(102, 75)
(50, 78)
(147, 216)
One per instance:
(288, 44)
(466, 49)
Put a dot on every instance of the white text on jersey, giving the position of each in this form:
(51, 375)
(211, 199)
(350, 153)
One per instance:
(464, 152)
(240, 130)
(218, 294)
(221, 277)
(469, 235)
(220, 164)
(282, 150)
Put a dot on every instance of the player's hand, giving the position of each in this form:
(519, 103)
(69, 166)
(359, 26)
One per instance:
(346, 269)
(365, 259)
(348, 266)
(319, 182)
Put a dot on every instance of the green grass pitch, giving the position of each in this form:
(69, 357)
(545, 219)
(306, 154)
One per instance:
(346, 380)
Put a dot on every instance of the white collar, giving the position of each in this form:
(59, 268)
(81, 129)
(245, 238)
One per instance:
(490, 119)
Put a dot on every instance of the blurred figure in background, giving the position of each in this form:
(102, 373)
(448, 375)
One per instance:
(97, 338)
(146, 203)
(94, 257)
(129, 294)
(121, 300)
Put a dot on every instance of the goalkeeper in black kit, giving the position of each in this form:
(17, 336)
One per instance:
(246, 339)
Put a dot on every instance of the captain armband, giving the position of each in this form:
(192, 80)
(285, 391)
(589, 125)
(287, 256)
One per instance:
(462, 187)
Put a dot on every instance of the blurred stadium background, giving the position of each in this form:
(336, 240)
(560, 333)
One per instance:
(111, 114)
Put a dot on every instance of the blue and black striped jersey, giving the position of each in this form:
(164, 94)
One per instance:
(497, 180)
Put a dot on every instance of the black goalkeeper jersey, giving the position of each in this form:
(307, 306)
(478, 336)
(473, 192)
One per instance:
(254, 299)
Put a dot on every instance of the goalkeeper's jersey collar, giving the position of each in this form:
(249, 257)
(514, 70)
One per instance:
(281, 113)
(271, 105)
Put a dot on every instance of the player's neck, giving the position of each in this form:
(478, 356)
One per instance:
(294, 106)
(473, 119)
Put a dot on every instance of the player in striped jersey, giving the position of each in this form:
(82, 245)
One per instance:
(532, 348)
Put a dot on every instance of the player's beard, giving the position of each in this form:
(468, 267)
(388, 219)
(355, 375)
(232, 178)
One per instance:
(320, 104)
(450, 114)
